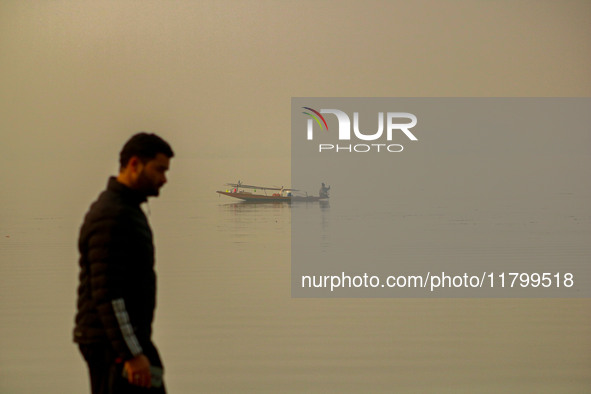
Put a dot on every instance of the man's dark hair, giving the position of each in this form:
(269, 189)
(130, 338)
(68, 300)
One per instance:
(145, 146)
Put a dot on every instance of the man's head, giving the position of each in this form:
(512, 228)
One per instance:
(144, 160)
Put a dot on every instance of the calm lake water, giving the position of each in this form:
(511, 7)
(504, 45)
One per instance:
(226, 322)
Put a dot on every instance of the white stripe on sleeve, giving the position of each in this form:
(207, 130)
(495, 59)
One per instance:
(126, 328)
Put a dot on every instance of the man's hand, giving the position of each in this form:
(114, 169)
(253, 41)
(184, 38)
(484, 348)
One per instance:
(138, 371)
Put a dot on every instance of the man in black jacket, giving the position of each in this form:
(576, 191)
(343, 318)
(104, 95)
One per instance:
(117, 291)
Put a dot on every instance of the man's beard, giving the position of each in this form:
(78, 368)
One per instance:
(146, 185)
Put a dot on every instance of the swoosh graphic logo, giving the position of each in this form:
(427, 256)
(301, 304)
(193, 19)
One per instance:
(316, 116)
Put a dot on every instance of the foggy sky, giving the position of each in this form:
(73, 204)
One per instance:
(215, 78)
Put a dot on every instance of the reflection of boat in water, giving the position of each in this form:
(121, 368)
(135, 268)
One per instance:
(271, 194)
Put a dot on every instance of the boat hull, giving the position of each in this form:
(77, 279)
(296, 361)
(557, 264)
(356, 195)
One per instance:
(249, 197)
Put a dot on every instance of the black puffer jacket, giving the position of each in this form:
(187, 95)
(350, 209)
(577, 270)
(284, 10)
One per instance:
(117, 291)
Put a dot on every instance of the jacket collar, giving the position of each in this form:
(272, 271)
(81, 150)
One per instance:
(125, 192)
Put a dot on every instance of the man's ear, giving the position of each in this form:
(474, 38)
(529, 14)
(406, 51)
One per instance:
(133, 164)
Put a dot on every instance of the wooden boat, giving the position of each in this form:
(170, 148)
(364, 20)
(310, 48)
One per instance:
(271, 194)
